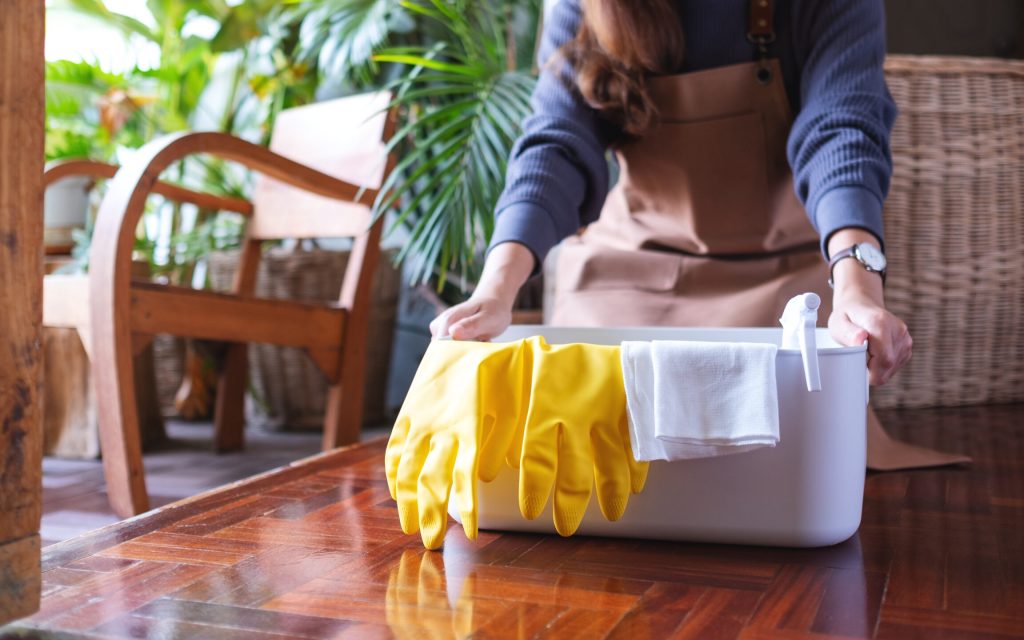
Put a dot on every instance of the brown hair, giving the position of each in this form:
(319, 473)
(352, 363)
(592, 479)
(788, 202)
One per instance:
(619, 43)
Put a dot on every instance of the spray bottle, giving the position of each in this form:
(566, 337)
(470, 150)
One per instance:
(798, 321)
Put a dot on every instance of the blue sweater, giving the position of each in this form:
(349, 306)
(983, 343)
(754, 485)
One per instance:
(831, 53)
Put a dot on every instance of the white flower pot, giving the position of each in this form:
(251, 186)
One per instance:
(65, 208)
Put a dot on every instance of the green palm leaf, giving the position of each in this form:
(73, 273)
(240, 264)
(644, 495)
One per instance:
(342, 35)
(463, 107)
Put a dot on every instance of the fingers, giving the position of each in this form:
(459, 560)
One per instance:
(489, 320)
(537, 468)
(503, 428)
(889, 342)
(465, 488)
(888, 352)
(611, 470)
(524, 396)
(433, 488)
(441, 325)
(498, 433)
(393, 454)
(407, 482)
(479, 318)
(574, 480)
(515, 448)
(844, 331)
(473, 327)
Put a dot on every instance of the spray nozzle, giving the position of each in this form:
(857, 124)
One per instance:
(799, 319)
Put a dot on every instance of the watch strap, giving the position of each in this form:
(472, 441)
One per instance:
(849, 252)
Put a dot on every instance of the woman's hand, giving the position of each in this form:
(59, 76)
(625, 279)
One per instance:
(859, 313)
(480, 318)
(488, 312)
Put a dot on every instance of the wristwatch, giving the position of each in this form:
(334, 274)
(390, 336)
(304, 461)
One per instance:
(869, 256)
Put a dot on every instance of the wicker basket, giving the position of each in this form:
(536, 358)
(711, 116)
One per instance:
(954, 228)
(169, 369)
(289, 391)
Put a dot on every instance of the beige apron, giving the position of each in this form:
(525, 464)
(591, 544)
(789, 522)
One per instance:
(703, 227)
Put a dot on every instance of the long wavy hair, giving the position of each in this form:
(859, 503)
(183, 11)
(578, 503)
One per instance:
(620, 43)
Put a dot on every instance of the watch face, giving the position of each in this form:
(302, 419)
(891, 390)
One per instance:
(871, 256)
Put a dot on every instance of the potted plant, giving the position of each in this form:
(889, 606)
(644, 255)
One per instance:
(89, 113)
(229, 80)
(462, 72)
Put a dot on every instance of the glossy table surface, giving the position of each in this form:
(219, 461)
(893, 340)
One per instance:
(314, 550)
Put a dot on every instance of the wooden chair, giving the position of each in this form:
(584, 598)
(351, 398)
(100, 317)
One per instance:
(325, 164)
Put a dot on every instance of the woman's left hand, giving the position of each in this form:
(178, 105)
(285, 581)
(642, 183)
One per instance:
(859, 314)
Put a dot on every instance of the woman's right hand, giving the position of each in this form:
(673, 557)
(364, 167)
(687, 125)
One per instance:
(488, 312)
(479, 318)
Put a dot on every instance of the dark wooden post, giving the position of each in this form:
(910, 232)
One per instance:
(21, 284)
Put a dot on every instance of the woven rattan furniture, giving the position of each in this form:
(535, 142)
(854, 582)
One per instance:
(288, 391)
(954, 228)
(324, 166)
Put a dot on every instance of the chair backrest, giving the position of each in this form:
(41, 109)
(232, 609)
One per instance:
(344, 138)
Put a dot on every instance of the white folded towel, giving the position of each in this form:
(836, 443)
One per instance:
(700, 399)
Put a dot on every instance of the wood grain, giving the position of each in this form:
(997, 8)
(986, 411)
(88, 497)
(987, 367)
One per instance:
(123, 312)
(60, 169)
(229, 411)
(21, 281)
(159, 308)
(20, 578)
(315, 550)
(341, 423)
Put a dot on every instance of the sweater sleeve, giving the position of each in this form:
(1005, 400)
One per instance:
(557, 177)
(839, 145)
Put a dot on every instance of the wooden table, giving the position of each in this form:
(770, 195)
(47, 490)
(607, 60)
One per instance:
(314, 550)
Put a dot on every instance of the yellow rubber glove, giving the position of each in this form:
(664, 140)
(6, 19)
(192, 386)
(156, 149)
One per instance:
(457, 423)
(576, 432)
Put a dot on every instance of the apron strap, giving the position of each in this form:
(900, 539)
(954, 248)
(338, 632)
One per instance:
(761, 28)
(761, 32)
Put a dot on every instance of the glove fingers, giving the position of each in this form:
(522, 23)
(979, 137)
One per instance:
(513, 457)
(393, 454)
(526, 381)
(433, 489)
(497, 442)
(407, 482)
(537, 468)
(574, 481)
(611, 471)
(637, 469)
(465, 488)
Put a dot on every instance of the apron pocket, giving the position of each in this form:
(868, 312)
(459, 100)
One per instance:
(710, 177)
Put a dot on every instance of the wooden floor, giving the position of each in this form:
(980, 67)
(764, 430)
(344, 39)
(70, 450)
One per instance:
(315, 551)
(75, 494)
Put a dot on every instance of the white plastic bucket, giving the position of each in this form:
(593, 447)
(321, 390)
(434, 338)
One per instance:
(805, 492)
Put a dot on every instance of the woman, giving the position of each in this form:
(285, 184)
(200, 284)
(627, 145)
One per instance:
(725, 204)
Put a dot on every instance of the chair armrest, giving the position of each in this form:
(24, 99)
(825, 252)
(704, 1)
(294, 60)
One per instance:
(125, 200)
(59, 169)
